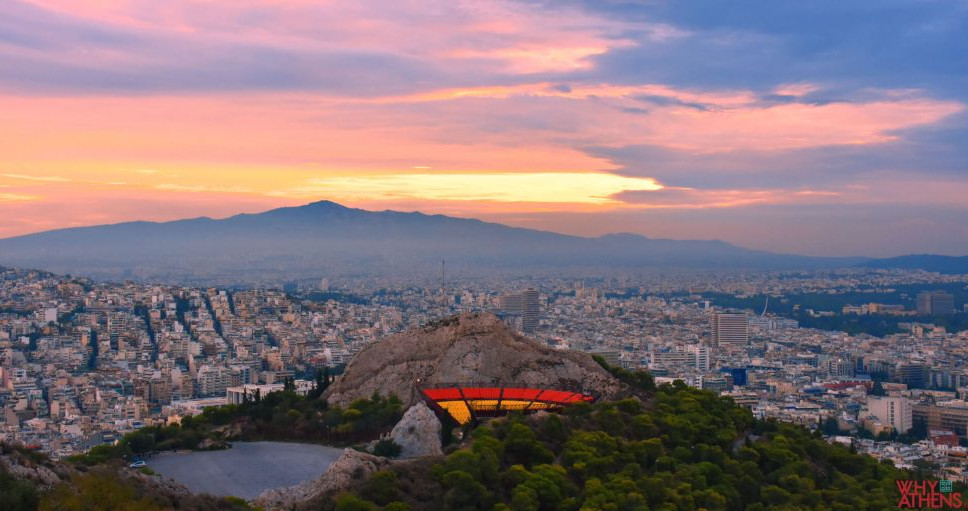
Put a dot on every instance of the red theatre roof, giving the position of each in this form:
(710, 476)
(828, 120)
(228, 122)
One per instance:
(465, 403)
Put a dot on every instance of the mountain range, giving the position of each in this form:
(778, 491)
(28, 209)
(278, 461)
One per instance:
(327, 239)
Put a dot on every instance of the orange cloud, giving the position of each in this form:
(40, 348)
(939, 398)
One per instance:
(17, 197)
(541, 187)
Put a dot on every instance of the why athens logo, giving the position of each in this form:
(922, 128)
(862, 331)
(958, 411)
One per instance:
(927, 495)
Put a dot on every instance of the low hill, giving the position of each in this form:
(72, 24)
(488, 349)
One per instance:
(684, 449)
(470, 348)
(948, 265)
(325, 238)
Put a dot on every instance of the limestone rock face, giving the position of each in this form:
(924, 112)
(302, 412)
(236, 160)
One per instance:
(20, 468)
(418, 432)
(351, 466)
(467, 349)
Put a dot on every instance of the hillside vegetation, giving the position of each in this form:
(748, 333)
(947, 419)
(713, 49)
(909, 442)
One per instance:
(280, 416)
(99, 479)
(686, 449)
(667, 448)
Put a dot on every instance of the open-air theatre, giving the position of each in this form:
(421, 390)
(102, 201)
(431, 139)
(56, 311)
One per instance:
(467, 403)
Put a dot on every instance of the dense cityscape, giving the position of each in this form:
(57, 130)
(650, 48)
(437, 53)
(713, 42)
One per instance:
(84, 363)
(501, 255)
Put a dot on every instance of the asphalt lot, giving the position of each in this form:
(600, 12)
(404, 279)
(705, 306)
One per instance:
(247, 469)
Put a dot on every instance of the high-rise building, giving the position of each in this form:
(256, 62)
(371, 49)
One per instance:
(530, 310)
(702, 358)
(730, 329)
(526, 305)
(892, 411)
(936, 303)
(511, 304)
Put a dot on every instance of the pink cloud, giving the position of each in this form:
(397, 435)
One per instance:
(688, 120)
(514, 36)
(796, 89)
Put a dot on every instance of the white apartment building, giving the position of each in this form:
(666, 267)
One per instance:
(893, 411)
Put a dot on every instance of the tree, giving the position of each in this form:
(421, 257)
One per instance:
(522, 447)
(878, 389)
(382, 487)
(96, 491)
(140, 441)
(321, 383)
(387, 448)
(830, 427)
(16, 493)
(348, 502)
(464, 493)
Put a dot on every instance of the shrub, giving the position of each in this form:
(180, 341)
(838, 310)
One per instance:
(387, 448)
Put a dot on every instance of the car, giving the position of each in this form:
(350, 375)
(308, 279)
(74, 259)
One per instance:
(138, 464)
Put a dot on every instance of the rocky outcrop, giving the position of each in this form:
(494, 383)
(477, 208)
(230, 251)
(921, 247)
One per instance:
(352, 466)
(418, 432)
(40, 473)
(467, 349)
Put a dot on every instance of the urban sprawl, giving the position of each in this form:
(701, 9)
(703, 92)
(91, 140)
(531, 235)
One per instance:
(82, 363)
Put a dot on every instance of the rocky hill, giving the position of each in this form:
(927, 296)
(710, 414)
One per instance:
(470, 348)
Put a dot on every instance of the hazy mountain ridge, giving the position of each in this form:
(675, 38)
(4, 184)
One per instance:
(325, 238)
(951, 265)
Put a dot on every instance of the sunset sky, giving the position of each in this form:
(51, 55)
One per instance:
(823, 128)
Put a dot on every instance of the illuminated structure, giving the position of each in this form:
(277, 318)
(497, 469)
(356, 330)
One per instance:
(467, 403)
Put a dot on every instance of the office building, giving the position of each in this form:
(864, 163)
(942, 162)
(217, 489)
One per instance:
(949, 416)
(730, 329)
(526, 305)
(936, 303)
(702, 357)
(915, 376)
(530, 312)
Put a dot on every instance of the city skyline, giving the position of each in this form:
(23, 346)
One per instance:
(822, 129)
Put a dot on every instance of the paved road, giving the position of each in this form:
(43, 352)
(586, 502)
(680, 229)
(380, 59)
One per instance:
(247, 469)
